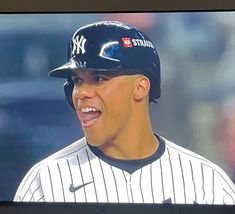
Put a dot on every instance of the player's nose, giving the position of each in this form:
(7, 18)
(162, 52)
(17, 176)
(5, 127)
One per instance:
(83, 91)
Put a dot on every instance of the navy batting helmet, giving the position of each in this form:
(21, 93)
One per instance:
(110, 46)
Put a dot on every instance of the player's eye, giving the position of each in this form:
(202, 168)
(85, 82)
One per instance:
(100, 78)
(77, 80)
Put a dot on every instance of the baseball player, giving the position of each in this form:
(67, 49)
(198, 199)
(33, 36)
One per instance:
(112, 73)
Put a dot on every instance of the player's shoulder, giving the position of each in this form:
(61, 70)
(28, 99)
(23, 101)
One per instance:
(197, 160)
(173, 147)
(189, 155)
(63, 154)
(69, 150)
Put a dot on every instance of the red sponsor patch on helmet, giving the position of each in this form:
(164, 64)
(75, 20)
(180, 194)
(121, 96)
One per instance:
(127, 42)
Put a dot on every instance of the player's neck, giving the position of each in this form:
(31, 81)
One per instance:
(135, 141)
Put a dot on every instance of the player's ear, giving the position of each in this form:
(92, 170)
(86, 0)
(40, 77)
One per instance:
(142, 87)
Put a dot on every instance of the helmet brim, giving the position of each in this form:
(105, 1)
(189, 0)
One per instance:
(69, 69)
(64, 71)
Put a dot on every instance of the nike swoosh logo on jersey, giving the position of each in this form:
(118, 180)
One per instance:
(74, 189)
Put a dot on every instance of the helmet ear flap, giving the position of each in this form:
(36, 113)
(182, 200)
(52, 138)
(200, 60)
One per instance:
(68, 90)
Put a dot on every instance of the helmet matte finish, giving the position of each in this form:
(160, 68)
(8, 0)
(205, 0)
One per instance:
(110, 46)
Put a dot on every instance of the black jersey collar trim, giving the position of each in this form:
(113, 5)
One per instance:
(130, 165)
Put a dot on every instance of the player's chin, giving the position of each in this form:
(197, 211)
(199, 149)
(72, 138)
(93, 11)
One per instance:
(94, 141)
(94, 137)
(95, 131)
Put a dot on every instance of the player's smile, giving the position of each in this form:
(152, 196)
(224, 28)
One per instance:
(89, 116)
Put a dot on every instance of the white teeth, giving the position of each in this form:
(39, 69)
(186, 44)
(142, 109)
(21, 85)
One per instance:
(88, 109)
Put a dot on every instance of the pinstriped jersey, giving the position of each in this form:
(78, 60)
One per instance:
(77, 174)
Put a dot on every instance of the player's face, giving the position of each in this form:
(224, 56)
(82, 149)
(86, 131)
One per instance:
(103, 104)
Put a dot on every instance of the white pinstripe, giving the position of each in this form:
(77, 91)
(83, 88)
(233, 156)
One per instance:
(179, 175)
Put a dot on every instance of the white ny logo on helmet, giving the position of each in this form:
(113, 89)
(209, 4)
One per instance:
(78, 45)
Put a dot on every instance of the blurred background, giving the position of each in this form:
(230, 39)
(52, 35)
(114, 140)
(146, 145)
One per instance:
(196, 109)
